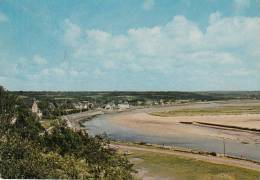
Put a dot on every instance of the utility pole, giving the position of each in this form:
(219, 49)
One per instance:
(224, 146)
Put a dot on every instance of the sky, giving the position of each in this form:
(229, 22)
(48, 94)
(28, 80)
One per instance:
(135, 45)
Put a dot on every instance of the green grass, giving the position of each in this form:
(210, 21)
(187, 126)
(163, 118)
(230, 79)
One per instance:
(229, 110)
(173, 167)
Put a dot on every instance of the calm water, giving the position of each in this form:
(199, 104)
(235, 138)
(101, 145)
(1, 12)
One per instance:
(100, 125)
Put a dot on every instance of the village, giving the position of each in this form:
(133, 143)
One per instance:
(79, 107)
(44, 109)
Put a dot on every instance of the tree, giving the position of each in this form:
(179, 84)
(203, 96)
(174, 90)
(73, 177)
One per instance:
(8, 110)
(27, 150)
(24, 159)
(15, 118)
(103, 162)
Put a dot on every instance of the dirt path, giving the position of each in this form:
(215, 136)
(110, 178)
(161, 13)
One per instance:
(211, 159)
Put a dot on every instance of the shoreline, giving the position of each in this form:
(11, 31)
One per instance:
(76, 120)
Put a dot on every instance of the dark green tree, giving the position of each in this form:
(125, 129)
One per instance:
(27, 150)
(24, 159)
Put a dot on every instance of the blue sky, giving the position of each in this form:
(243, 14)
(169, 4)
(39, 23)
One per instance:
(181, 45)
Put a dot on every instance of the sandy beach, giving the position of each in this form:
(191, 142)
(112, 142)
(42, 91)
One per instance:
(143, 121)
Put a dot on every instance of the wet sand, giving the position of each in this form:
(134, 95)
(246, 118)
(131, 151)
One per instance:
(142, 121)
(138, 125)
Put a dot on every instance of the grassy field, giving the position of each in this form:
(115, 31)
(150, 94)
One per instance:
(163, 166)
(231, 110)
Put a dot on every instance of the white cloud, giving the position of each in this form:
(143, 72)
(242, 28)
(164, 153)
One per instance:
(234, 32)
(214, 17)
(258, 3)
(73, 73)
(72, 32)
(58, 71)
(179, 43)
(3, 17)
(148, 4)
(258, 66)
(47, 73)
(214, 57)
(98, 73)
(37, 59)
(241, 5)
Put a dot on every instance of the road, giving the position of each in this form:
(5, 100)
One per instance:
(212, 159)
(74, 119)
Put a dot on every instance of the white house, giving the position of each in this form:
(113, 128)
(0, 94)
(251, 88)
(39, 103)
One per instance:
(123, 106)
(36, 110)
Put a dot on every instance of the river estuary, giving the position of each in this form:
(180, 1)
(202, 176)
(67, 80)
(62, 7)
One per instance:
(101, 125)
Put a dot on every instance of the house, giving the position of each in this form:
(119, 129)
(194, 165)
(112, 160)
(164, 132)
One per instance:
(78, 105)
(140, 103)
(81, 105)
(161, 102)
(148, 103)
(90, 105)
(51, 106)
(155, 103)
(85, 106)
(36, 110)
(13, 121)
(123, 106)
(108, 107)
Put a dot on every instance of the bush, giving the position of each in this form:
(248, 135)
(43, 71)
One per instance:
(213, 153)
(142, 143)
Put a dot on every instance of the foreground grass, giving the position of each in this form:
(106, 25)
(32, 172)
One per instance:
(229, 110)
(159, 166)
